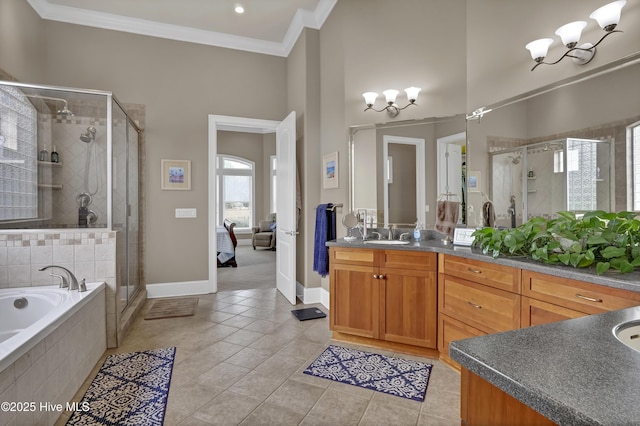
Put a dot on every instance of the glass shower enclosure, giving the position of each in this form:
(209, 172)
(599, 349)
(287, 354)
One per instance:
(541, 179)
(69, 159)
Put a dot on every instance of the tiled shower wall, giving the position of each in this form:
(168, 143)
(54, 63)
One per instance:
(74, 156)
(89, 255)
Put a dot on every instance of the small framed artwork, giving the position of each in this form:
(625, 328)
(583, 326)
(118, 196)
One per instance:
(474, 182)
(176, 175)
(330, 171)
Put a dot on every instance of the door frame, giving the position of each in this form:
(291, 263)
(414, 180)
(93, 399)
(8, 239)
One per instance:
(419, 143)
(230, 124)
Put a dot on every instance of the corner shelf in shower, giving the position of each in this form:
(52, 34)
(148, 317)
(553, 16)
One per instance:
(49, 164)
(49, 186)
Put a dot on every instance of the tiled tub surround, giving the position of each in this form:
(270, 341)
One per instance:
(57, 363)
(89, 254)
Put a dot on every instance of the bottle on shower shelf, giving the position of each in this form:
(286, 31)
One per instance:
(55, 158)
(44, 154)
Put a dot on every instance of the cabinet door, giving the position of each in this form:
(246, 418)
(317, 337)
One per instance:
(408, 307)
(536, 312)
(355, 300)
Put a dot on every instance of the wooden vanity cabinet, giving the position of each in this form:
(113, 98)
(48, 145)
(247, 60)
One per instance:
(475, 298)
(547, 298)
(388, 295)
(355, 293)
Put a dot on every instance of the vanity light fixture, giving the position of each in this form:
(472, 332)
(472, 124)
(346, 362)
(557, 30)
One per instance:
(390, 95)
(607, 17)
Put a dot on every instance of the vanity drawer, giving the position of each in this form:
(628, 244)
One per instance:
(491, 274)
(483, 307)
(412, 260)
(578, 295)
(450, 329)
(352, 256)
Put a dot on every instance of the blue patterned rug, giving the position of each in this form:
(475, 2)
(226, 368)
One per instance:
(130, 389)
(395, 376)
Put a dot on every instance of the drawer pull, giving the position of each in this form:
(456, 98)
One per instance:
(475, 271)
(590, 299)
(474, 305)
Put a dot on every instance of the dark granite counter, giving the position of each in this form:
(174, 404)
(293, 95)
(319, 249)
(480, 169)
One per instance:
(609, 279)
(574, 372)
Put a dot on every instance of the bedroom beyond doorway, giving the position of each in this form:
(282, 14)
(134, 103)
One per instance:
(256, 269)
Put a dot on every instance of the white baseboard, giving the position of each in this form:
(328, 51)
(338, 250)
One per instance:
(186, 288)
(312, 295)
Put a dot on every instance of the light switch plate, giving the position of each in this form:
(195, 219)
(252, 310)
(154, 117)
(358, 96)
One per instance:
(185, 213)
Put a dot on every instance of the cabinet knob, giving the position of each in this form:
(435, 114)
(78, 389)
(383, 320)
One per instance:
(378, 277)
(375, 276)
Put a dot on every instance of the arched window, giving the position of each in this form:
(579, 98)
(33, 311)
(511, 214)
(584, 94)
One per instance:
(235, 180)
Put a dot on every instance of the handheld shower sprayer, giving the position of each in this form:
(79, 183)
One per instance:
(89, 135)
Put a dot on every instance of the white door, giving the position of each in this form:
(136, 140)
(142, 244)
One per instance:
(286, 207)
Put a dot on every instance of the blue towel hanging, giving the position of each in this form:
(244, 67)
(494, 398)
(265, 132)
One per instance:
(325, 231)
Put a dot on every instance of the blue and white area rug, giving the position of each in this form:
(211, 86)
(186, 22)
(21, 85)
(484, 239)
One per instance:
(130, 389)
(395, 376)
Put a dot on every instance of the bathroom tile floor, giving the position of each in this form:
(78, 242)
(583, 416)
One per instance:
(240, 358)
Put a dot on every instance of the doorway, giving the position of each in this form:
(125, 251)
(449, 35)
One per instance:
(285, 144)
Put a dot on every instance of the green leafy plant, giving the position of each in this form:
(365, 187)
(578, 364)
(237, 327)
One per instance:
(606, 240)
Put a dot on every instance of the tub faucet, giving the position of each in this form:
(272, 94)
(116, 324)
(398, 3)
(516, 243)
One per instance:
(71, 281)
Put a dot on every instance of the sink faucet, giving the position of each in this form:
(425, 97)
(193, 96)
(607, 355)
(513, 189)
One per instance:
(391, 228)
(71, 281)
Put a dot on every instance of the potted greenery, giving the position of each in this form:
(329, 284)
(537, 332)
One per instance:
(608, 240)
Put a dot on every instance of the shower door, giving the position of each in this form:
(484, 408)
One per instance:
(125, 145)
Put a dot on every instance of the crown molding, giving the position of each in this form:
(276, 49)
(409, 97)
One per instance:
(108, 21)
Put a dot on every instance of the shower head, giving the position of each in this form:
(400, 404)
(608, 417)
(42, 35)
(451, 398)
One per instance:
(65, 111)
(89, 135)
(516, 159)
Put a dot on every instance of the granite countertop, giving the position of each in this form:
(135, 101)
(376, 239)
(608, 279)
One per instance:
(573, 372)
(612, 279)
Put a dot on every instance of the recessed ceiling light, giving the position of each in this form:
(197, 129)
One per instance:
(239, 9)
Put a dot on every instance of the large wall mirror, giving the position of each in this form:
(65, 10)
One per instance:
(571, 146)
(399, 170)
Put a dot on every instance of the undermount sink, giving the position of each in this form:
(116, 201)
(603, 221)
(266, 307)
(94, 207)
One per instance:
(387, 242)
(629, 334)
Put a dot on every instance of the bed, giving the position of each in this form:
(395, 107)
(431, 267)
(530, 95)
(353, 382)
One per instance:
(227, 243)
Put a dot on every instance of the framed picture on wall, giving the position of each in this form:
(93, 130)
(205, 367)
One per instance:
(474, 181)
(330, 171)
(176, 175)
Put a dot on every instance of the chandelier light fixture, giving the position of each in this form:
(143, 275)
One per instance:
(392, 108)
(607, 17)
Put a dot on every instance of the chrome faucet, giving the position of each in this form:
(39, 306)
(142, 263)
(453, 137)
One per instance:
(391, 228)
(71, 281)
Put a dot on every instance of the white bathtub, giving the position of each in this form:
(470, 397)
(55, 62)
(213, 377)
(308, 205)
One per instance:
(29, 314)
